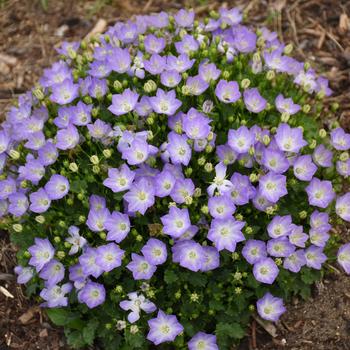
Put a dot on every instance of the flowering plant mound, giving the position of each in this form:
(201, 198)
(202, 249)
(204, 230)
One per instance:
(170, 177)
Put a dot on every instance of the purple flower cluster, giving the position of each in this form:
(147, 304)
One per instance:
(149, 137)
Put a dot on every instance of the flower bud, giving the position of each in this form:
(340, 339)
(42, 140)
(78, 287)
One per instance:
(185, 90)
(285, 117)
(270, 75)
(67, 245)
(87, 100)
(313, 144)
(344, 156)
(57, 239)
(38, 93)
(73, 167)
(117, 85)
(256, 57)
(17, 228)
(139, 238)
(266, 140)
(178, 294)
(134, 329)
(303, 214)
(253, 177)
(14, 154)
(322, 133)
(210, 136)
(82, 218)
(205, 209)
(245, 83)
(194, 297)
(60, 254)
(201, 161)
(306, 108)
(188, 172)
(207, 106)
(40, 219)
(235, 256)
(121, 325)
(70, 201)
(107, 153)
(225, 74)
(197, 192)
(94, 160)
(288, 49)
(248, 230)
(150, 86)
(278, 261)
(96, 169)
(24, 184)
(208, 167)
(307, 66)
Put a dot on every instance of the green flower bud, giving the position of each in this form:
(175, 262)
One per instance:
(82, 218)
(188, 172)
(235, 256)
(266, 140)
(96, 169)
(303, 214)
(178, 128)
(139, 238)
(102, 235)
(211, 312)
(24, 184)
(248, 230)
(70, 201)
(118, 86)
(178, 294)
(118, 289)
(205, 209)
(344, 156)
(285, 117)
(237, 276)
(256, 57)
(260, 42)
(57, 239)
(201, 161)
(306, 108)
(313, 144)
(185, 90)
(239, 217)
(17, 228)
(38, 93)
(307, 66)
(73, 167)
(60, 254)
(40, 219)
(209, 149)
(208, 167)
(81, 196)
(61, 223)
(150, 86)
(245, 83)
(26, 254)
(278, 261)
(270, 75)
(334, 106)
(87, 100)
(134, 329)
(108, 326)
(197, 192)
(150, 120)
(94, 160)
(322, 133)
(95, 111)
(107, 153)
(253, 177)
(238, 290)
(67, 245)
(288, 49)
(251, 307)
(14, 154)
(225, 74)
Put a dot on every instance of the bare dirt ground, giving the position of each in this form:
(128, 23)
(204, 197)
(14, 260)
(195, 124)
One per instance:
(320, 31)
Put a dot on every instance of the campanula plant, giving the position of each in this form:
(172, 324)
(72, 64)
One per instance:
(168, 179)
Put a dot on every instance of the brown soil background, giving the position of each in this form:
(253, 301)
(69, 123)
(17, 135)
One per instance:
(320, 32)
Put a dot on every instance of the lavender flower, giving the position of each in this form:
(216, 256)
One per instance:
(289, 139)
(41, 253)
(226, 233)
(203, 341)
(265, 271)
(340, 139)
(18, 204)
(304, 168)
(57, 187)
(315, 257)
(273, 186)
(295, 261)
(97, 219)
(211, 258)
(274, 160)
(297, 236)
(64, 92)
(178, 148)
(154, 44)
(279, 226)
(55, 296)
(286, 105)
(227, 92)
(141, 269)
(182, 190)
(75, 240)
(280, 247)
(140, 196)
(343, 257)
(39, 201)
(92, 294)
(320, 193)
(189, 254)
(123, 103)
(24, 274)
(109, 256)
(88, 262)
(270, 308)
(155, 251)
(240, 140)
(322, 156)
(342, 207)
(165, 102)
(221, 207)
(176, 222)
(253, 101)
(67, 138)
(118, 227)
(52, 273)
(163, 328)
(254, 251)
(119, 179)
(164, 183)
(208, 71)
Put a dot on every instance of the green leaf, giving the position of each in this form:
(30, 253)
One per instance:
(89, 331)
(170, 277)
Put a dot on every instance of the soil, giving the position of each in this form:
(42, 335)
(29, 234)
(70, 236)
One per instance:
(320, 32)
